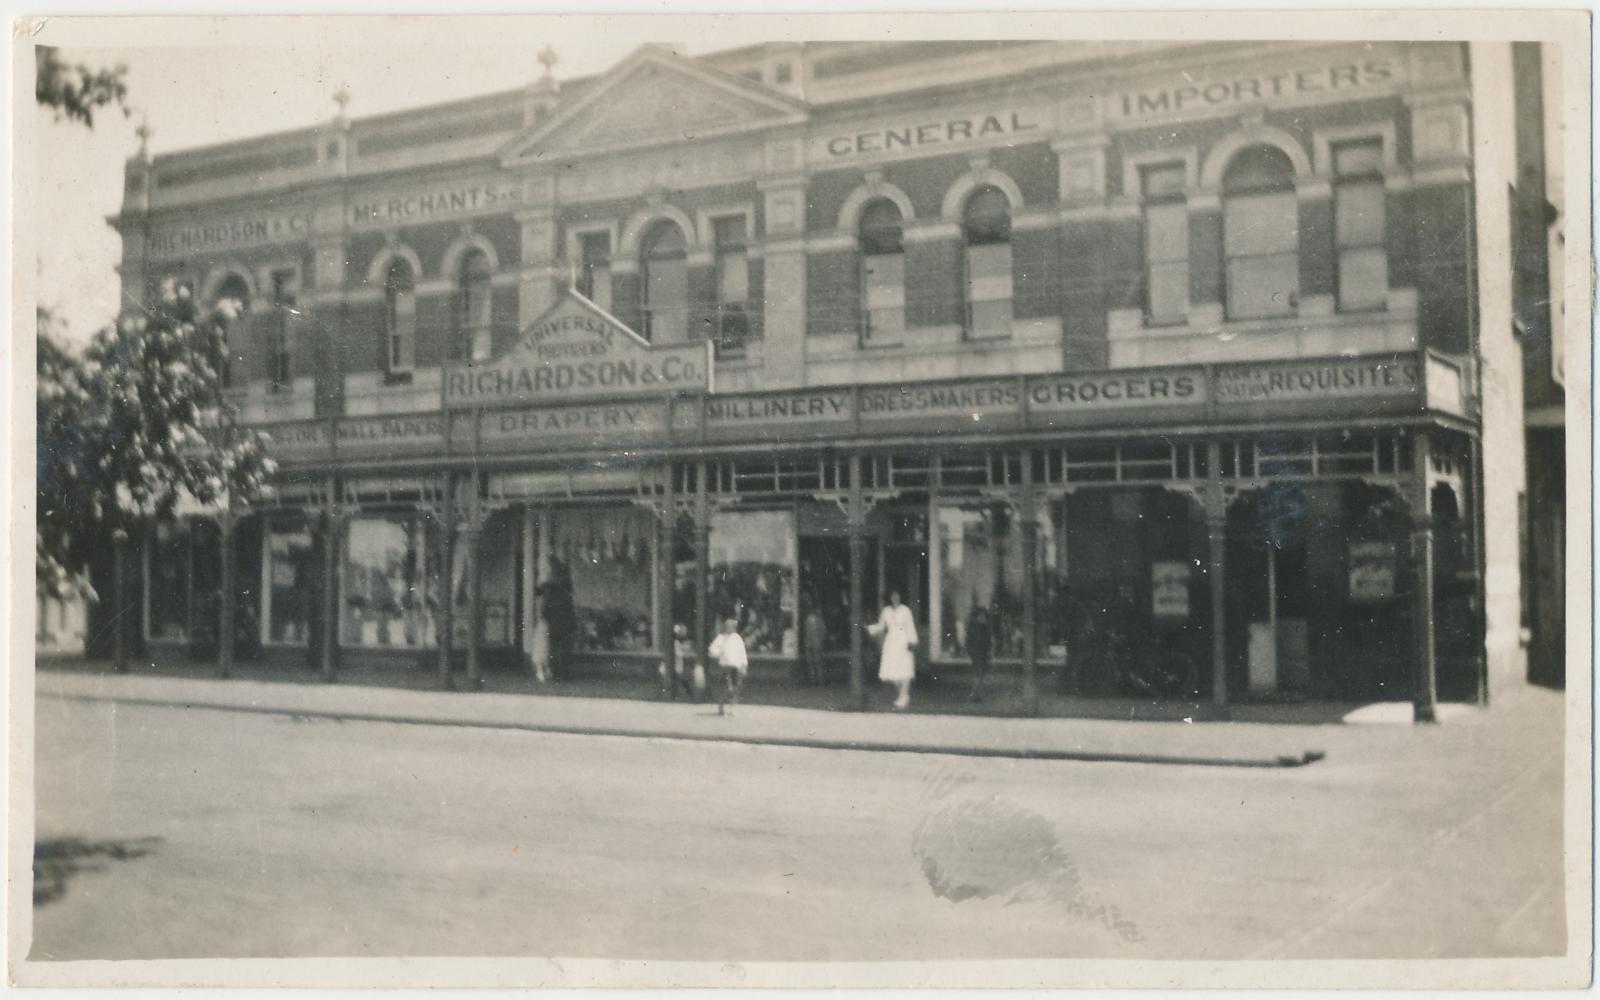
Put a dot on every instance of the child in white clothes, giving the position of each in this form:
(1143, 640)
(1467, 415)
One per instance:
(729, 652)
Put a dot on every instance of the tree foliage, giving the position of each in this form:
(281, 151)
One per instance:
(60, 407)
(136, 428)
(76, 92)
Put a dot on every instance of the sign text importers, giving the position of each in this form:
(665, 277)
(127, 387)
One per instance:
(1191, 95)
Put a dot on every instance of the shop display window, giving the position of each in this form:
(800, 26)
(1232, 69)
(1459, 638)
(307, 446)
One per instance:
(609, 555)
(980, 565)
(167, 595)
(753, 569)
(290, 572)
(390, 600)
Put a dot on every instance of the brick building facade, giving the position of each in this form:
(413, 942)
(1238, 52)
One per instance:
(1190, 338)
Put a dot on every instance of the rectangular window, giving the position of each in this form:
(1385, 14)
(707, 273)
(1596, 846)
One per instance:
(402, 332)
(666, 311)
(980, 569)
(285, 294)
(609, 554)
(1358, 213)
(1261, 240)
(168, 591)
(1166, 244)
(733, 270)
(883, 282)
(753, 571)
(594, 268)
(733, 286)
(390, 599)
(290, 583)
(989, 290)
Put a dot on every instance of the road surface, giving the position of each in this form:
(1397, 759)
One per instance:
(201, 833)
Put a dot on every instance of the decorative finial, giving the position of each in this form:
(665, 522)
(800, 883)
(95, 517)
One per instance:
(548, 59)
(143, 132)
(341, 97)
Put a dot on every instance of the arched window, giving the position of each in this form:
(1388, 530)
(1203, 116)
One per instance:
(665, 270)
(986, 228)
(400, 318)
(233, 289)
(883, 273)
(1261, 234)
(474, 335)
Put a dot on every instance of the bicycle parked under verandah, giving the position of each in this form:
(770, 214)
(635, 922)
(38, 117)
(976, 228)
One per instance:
(1112, 652)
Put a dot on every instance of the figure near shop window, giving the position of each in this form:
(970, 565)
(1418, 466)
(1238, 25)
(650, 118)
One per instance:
(814, 635)
(896, 631)
(980, 643)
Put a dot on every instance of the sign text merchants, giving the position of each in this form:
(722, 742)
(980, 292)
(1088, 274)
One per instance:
(578, 351)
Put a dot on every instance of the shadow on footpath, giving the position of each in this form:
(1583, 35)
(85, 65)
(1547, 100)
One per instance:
(57, 860)
(932, 695)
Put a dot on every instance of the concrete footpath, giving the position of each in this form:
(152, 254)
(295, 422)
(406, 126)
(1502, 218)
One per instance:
(1200, 743)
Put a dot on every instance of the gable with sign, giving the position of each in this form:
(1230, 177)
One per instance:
(575, 351)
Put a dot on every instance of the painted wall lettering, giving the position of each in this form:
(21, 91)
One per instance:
(1318, 380)
(1194, 95)
(906, 136)
(412, 206)
(223, 234)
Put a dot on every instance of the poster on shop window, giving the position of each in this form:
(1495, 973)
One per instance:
(1169, 591)
(1372, 572)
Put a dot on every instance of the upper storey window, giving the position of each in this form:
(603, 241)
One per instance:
(733, 285)
(1166, 243)
(474, 310)
(666, 284)
(986, 229)
(883, 273)
(400, 319)
(233, 288)
(594, 268)
(1358, 224)
(285, 295)
(1261, 234)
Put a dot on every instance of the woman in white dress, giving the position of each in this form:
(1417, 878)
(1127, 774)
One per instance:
(897, 632)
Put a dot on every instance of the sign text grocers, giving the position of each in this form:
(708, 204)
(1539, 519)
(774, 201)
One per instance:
(576, 351)
(1094, 393)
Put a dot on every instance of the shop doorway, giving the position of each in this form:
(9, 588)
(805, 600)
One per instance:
(903, 558)
(1315, 593)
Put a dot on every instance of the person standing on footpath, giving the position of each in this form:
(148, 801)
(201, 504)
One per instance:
(897, 632)
(980, 641)
(729, 652)
(813, 637)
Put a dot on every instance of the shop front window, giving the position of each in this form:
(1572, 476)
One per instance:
(389, 597)
(609, 556)
(168, 592)
(980, 566)
(499, 542)
(753, 570)
(290, 586)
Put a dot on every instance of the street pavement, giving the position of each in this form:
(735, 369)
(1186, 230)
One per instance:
(166, 831)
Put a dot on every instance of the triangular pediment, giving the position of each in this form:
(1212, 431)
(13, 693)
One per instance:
(576, 351)
(655, 97)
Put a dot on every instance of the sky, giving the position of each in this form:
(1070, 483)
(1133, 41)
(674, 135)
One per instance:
(200, 92)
